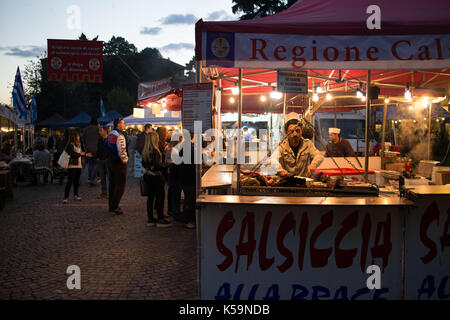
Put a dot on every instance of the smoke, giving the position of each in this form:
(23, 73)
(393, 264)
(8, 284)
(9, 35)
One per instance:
(413, 139)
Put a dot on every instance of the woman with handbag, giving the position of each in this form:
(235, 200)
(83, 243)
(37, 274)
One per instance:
(75, 153)
(154, 176)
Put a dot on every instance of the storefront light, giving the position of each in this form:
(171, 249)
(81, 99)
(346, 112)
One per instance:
(232, 100)
(263, 98)
(363, 98)
(275, 95)
(386, 100)
(329, 97)
(235, 91)
(410, 107)
(319, 89)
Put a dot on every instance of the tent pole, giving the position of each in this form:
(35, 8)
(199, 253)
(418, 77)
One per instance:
(198, 167)
(284, 105)
(429, 131)
(366, 160)
(383, 137)
(239, 142)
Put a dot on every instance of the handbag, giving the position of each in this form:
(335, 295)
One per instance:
(63, 160)
(144, 187)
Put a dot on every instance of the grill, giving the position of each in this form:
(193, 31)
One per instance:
(346, 191)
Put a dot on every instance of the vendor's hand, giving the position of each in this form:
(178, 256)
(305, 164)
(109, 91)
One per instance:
(282, 173)
(82, 154)
(311, 168)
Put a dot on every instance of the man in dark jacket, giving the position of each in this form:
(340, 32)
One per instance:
(90, 142)
(141, 138)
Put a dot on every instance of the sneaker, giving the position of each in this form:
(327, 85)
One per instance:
(163, 223)
(189, 225)
(66, 201)
(78, 198)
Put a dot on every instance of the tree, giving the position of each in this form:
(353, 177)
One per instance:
(190, 68)
(118, 46)
(260, 8)
(120, 100)
(83, 37)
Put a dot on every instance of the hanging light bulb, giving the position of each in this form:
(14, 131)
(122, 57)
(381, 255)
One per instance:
(408, 95)
(263, 98)
(235, 90)
(363, 98)
(329, 96)
(315, 97)
(386, 100)
(232, 100)
(319, 89)
(359, 94)
(410, 107)
(275, 95)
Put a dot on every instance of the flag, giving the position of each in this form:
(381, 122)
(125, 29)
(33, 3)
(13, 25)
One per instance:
(19, 97)
(33, 109)
(102, 107)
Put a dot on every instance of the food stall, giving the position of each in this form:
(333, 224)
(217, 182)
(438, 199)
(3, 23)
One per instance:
(320, 239)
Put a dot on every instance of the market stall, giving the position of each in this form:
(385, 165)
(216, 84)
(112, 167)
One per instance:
(309, 239)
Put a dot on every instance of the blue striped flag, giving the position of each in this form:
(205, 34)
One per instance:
(102, 107)
(33, 108)
(19, 97)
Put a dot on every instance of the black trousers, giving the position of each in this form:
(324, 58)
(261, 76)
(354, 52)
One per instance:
(117, 174)
(156, 194)
(189, 202)
(74, 178)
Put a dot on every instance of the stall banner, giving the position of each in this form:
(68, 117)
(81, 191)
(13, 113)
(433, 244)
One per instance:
(154, 90)
(291, 51)
(299, 252)
(427, 250)
(75, 60)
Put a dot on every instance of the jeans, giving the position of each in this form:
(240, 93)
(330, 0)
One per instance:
(117, 174)
(156, 195)
(92, 168)
(74, 178)
(103, 172)
(174, 196)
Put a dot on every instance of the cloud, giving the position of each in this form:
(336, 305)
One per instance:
(24, 51)
(177, 46)
(179, 19)
(219, 16)
(151, 31)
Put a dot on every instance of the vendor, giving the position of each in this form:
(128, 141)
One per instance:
(297, 156)
(338, 146)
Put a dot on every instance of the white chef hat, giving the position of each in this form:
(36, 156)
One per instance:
(291, 116)
(334, 130)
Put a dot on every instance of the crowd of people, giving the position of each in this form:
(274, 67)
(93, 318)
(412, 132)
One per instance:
(107, 156)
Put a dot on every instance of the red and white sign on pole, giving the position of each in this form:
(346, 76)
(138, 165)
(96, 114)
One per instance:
(197, 105)
(75, 60)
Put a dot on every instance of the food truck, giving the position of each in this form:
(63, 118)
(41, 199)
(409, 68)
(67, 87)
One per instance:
(262, 236)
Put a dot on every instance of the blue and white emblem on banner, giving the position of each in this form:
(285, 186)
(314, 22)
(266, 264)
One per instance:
(220, 49)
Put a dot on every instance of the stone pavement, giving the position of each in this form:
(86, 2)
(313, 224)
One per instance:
(120, 257)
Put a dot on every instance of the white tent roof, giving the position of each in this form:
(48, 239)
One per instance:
(170, 118)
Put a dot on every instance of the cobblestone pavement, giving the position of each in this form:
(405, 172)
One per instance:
(120, 257)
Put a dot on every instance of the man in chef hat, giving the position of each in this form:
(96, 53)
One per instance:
(296, 155)
(338, 146)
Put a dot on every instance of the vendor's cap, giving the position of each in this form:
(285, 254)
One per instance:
(334, 130)
(291, 116)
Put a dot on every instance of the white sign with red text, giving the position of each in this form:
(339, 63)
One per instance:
(276, 51)
(427, 266)
(299, 252)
